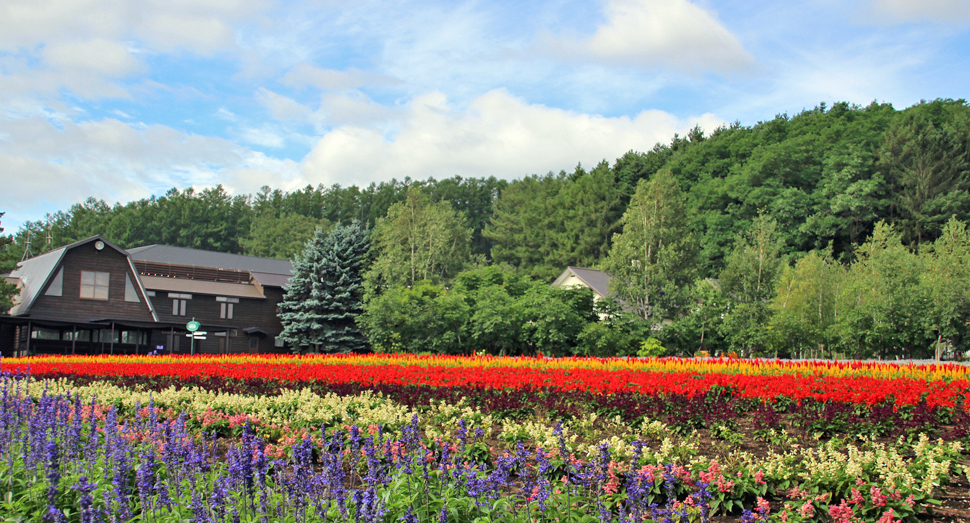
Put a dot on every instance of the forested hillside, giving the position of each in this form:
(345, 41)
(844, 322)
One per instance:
(777, 196)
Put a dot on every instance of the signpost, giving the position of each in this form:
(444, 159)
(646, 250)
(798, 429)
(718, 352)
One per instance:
(194, 334)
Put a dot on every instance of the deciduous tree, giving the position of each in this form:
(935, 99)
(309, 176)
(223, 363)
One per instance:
(651, 261)
(418, 240)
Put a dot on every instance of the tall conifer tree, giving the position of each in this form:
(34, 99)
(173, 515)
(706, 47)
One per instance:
(323, 299)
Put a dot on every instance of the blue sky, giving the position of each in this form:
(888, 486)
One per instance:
(122, 99)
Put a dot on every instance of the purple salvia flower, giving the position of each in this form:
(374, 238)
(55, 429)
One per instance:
(53, 478)
(702, 497)
(85, 500)
(409, 516)
(145, 481)
(199, 511)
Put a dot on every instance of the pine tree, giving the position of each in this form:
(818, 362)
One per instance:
(323, 299)
(7, 264)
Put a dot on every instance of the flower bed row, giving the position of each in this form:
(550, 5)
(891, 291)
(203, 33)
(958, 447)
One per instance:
(765, 387)
(946, 372)
(682, 413)
(65, 458)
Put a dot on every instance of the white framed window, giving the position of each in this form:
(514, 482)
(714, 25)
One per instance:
(57, 284)
(226, 306)
(179, 302)
(94, 285)
(131, 294)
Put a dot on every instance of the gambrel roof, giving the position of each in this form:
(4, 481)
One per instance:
(35, 273)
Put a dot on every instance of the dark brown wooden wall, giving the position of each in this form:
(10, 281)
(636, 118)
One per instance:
(70, 307)
(260, 313)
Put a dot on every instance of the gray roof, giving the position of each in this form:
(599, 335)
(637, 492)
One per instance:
(599, 281)
(268, 279)
(210, 259)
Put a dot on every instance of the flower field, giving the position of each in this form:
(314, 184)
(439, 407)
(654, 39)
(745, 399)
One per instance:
(411, 438)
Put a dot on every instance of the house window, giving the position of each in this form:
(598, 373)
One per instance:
(134, 337)
(40, 333)
(253, 342)
(57, 285)
(130, 293)
(94, 285)
(225, 306)
(179, 302)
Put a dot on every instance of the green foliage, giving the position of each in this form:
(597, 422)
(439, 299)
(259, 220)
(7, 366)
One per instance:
(699, 329)
(422, 318)
(946, 283)
(617, 333)
(520, 225)
(804, 305)
(281, 237)
(746, 282)
(493, 310)
(651, 348)
(7, 263)
(323, 299)
(651, 261)
(881, 297)
(543, 224)
(926, 160)
(418, 240)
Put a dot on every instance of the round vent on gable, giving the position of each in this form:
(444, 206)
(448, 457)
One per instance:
(99, 245)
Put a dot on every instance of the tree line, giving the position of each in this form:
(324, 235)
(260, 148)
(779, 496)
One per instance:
(698, 235)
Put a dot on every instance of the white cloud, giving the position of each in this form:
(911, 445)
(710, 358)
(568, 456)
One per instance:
(305, 75)
(263, 136)
(84, 46)
(165, 24)
(226, 114)
(58, 165)
(282, 107)
(944, 11)
(171, 31)
(98, 56)
(496, 135)
(353, 108)
(650, 33)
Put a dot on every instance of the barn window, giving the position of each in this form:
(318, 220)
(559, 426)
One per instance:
(94, 285)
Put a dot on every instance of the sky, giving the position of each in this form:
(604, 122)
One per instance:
(123, 99)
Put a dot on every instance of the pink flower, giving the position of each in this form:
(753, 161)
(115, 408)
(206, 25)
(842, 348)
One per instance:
(887, 517)
(841, 513)
(807, 510)
(759, 478)
(878, 499)
(857, 497)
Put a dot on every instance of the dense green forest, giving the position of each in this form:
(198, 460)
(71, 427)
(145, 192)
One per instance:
(714, 237)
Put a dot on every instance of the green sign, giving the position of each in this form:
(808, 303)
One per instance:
(193, 326)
